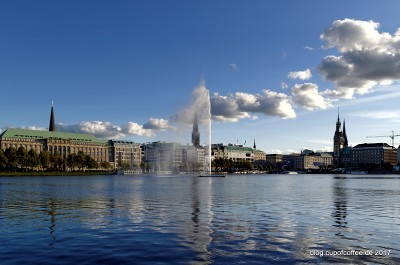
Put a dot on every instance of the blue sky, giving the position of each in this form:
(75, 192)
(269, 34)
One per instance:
(276, 70)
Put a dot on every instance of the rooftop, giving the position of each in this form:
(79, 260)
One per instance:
(36, 134)
(372, 145)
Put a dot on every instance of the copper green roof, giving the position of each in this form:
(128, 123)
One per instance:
(35, 134)
(238, 148)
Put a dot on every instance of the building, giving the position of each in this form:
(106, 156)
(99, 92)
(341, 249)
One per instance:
(124, 154)
(274, 159)
(313, 161)
(234, 152)
(194, 158)
(259, 158)
(195, 132)
(63, 143)
(340, 142)
(217, 151)
(51, 141)
(164, 157)
(374, 154)
(398, 155)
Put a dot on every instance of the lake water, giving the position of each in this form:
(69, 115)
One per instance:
(248, 219)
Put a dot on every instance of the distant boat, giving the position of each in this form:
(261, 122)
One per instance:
(290, 172)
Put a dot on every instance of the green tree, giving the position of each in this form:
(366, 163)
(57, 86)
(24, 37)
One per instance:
(105, 165)
(81, 160)
(145, 166)
(33, 159)
(11, 155)
(44, 159)
(72, 161)
(125, 165)
(56, 161)
(90, 162)
(22, 157)
(3, 159)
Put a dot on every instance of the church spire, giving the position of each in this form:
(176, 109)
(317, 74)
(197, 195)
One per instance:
(338, 124)
(195, 131)
(254, 146)
(346, 142)
(52, 126)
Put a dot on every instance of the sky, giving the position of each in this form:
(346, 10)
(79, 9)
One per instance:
(276, 71)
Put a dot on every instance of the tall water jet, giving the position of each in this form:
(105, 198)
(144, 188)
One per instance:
(201, 113)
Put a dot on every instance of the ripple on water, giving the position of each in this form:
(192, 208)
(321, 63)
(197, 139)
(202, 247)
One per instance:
(181, 220)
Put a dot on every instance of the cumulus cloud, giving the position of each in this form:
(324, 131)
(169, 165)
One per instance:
(303, 75)
(34, 128)
(104, 129)
(367, 57)
(241, 105)
(158, 124)
(284, 85)
(308, 96)
(136, 129)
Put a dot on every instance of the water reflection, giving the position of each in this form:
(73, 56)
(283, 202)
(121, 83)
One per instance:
(187, 220)
(52, 213)
(202, 215)
(340, 205)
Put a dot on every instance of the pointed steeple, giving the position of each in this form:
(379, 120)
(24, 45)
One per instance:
(195, 132)
(254, 146)
(346, 142)
(338, 124)
(52, 126)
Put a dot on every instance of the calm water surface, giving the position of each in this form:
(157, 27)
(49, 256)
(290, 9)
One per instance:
(251, 219)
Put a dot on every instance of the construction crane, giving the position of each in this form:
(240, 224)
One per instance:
(391, 136)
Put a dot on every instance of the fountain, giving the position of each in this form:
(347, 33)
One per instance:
(202, 111)
(174, 158)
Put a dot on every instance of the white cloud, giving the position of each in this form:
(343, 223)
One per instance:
(106, 129)
(308, 48)
(388, 115)
(98, 128)
(303, 75)
(158, 124)
(242, 105)
(136, 129)
(367, 57)
(307, 95)
(34, 128)
(284, 85)
(233, 66)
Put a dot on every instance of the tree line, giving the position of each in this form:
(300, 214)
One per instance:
(229, 165)
(20, 159)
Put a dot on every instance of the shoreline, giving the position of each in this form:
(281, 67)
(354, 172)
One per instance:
(54, 174)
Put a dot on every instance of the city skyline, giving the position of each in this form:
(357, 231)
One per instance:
(276, 72)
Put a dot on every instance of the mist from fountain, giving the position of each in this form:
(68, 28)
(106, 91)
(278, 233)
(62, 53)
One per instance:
(201, 107)
(164, 156)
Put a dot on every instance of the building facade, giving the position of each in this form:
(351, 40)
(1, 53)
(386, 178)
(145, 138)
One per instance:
(164, 157)
(234, 152)
(194, 158)
(51, 141)
(313, 161)
(124, 154)
(373, 153)
(259, 158)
